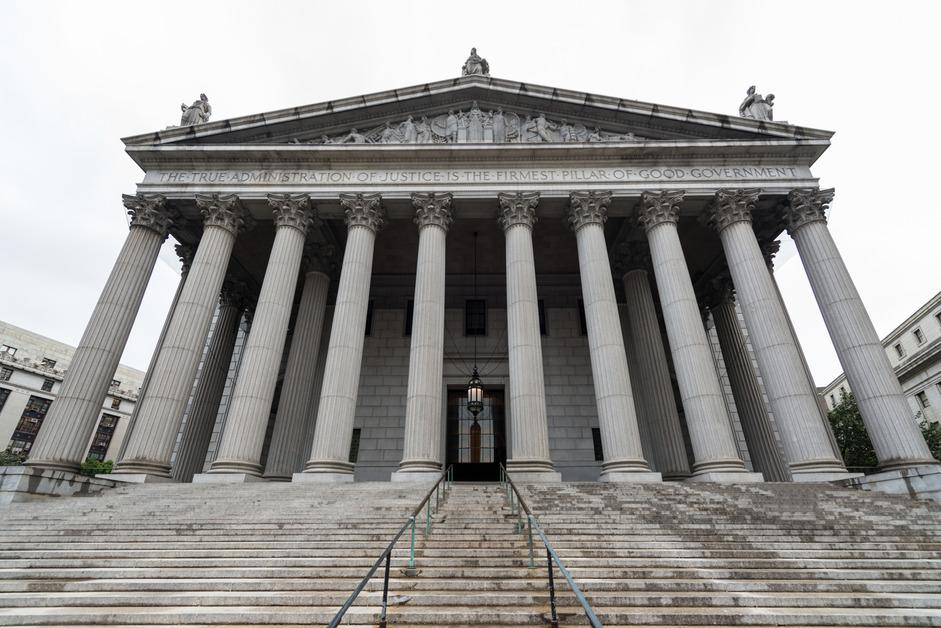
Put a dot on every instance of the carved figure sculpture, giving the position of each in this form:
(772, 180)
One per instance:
(388, 135)
(475, 124)
(595, 136)
(424, 132)
(353, 137)
(450, 128)
(756, 107)
(409, 131)
(197, 113)
(567, 132)
(499, 125)
(475, 65)
(542, 128)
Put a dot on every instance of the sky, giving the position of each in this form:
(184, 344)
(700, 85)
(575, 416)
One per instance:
(75, 77)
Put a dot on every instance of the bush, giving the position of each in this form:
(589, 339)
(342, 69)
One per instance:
(94, 467)
(10, 459)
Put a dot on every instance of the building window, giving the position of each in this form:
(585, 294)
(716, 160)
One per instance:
(899, 351)
(937, 317)
(922, 399)
(5, 373)
(7, 350)
(596, 440)
(103, 436)
(832, 401)
(115, 403)
(409, 315)
(30, 422)
(354, 445)
(48, 363)
(369, 319)
(4, 393)
(475, 317)
(581, 318)
(919, 337)
(115, 383)
(542, 318)
(47, 384)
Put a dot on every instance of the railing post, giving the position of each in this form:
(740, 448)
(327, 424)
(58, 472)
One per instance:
(519, 520)
(438, 497)
(554, 622)
(532, 563)
(385, 591)
(411, 547)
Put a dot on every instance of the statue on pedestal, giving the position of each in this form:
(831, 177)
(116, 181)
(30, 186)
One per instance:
(197, 113)
(756, 107)
(475, 65)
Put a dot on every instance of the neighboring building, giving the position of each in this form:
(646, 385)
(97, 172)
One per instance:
(31, 371)
(914, 349)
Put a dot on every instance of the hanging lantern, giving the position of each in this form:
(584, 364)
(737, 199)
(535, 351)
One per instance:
(475, 394)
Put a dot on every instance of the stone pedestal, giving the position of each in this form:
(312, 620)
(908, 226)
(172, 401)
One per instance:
(71, 421)
(329, 455)
(20, 484)
(920, 482)
(529, 432)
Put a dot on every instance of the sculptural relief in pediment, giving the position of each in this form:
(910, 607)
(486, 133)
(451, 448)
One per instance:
(476, 126)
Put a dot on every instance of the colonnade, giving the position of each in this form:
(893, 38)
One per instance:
(800, 425)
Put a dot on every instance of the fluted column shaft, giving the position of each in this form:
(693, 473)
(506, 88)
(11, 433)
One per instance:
(716, 455)
(794, 403)
(71, 420)
(617, 418)
(529, 432)
(756, 424)
(889, 420)
(421, 455)
(194, 442)
(150, 446)
(653, 372)
(244, 436)
(298, 386)
(329, 454)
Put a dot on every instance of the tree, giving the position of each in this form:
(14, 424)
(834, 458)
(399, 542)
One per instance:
(853, 440)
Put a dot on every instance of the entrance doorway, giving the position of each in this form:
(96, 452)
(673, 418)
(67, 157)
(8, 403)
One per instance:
(476, 448)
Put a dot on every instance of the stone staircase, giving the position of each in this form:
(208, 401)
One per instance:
(658, 554)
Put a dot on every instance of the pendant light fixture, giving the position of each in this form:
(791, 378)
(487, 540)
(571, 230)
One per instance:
(475, 389)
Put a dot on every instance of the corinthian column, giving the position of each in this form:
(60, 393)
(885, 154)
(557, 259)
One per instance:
(529, 431)
(806, 445)
(653, 372)
(421, 455)
(329, 453)
(72, 418)
(620, 435)
(707, 418)
(197, 431)
(150, 446)
(888, 418)
(298, 386)
(239, 457)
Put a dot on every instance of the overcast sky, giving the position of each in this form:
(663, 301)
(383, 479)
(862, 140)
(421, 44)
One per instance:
(77, 76)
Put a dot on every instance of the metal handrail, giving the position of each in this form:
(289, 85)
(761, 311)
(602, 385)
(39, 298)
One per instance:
(445, 481)
(518, 508)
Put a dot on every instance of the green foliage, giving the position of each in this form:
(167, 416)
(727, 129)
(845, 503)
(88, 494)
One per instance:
(10, 459)
(94, 467)
(932, 433)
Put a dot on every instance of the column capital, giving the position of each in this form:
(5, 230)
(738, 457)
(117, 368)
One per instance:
(225, 211)
(517, 209)
(432, 209)
(729, 207)
(769, 248)
(185, 252)
(806, 205)
(293, 210)
(659, 207)
(588, 208)
(717, 291)
(320, 259)
(149, 211)
(631, 256)
(234, 293)
(363, 210)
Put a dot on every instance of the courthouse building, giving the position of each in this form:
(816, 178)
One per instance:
(604, 265)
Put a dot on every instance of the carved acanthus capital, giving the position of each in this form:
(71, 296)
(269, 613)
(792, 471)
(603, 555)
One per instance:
(729, 207)
(769, 248)
(292, 210)
(806, 205)
(149, 211)
(631, 256)
(234, 294)
(320, 259)
(517, 209)
(363, 210)
(588, 208)
(185, 252)
(225, 211)
(432, 209)
(656, 208)
(717, 291)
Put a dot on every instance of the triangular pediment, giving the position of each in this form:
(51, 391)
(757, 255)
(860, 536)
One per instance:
(478, 110)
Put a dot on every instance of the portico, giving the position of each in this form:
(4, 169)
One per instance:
(602, 227)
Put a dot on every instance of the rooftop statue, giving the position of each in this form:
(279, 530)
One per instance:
(475, 65)
(756, 107)
(197, 113)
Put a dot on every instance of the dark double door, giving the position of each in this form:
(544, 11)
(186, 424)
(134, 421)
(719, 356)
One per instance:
(476, 448)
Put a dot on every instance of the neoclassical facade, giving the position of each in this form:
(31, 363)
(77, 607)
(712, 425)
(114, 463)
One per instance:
(582, 252)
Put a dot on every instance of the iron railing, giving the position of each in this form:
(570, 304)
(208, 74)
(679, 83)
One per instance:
(518, 507)
(442, 485)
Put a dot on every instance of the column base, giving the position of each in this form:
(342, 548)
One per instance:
(727, 477)
(415, 475)
(644, 477)
(922, 482)
(235, 467)
(137, 467)
(532, 471)
(822, 476)
(215, 477)
(277, 478)
(20, 484)
(136, 478)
